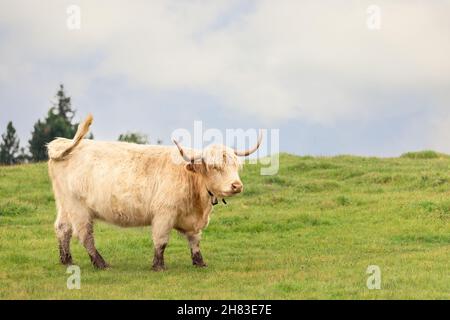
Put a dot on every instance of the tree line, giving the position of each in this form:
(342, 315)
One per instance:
(57, 123)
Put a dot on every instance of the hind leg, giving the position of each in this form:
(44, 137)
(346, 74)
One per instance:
(63, 230)
(86, 236)
(84, 228)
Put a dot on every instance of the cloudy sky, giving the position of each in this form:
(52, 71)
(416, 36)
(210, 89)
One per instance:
(335, 77)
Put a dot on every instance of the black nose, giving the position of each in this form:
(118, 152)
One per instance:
(237, 186)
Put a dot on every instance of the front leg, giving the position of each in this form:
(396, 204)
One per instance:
(158, 258)
(160, 235)
(196, 255)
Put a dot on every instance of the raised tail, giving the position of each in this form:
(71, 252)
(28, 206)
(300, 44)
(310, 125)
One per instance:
(57, 152)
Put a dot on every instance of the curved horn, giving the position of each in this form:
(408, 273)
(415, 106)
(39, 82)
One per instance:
(184, 155)
(250, 151)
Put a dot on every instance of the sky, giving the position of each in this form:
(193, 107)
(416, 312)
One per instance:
(334, 77)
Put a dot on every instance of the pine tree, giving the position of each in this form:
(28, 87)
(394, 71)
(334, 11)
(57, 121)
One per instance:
(58, 123)
(9, 146)
(64, 105)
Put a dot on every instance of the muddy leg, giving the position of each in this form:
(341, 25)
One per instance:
(160, 235)
(86, 234)
(196, 255)
(158, 258)
(63, 229)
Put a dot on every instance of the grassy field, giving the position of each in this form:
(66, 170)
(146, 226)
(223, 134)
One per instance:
(309, 232)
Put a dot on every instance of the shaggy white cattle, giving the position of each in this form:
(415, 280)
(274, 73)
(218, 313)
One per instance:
(134, 185)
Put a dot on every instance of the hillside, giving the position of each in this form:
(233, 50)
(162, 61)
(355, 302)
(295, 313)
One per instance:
(309, 232)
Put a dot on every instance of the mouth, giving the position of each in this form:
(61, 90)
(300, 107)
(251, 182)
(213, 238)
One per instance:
(229, 193)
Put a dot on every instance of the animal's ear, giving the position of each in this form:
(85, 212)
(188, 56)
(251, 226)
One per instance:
(190, 167)
(196, 167)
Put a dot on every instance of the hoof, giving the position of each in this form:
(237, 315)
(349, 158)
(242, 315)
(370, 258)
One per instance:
(99, 263)
(101, 266)
(66, 260)
(197, 260)
(158, 268)
(200, 264)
